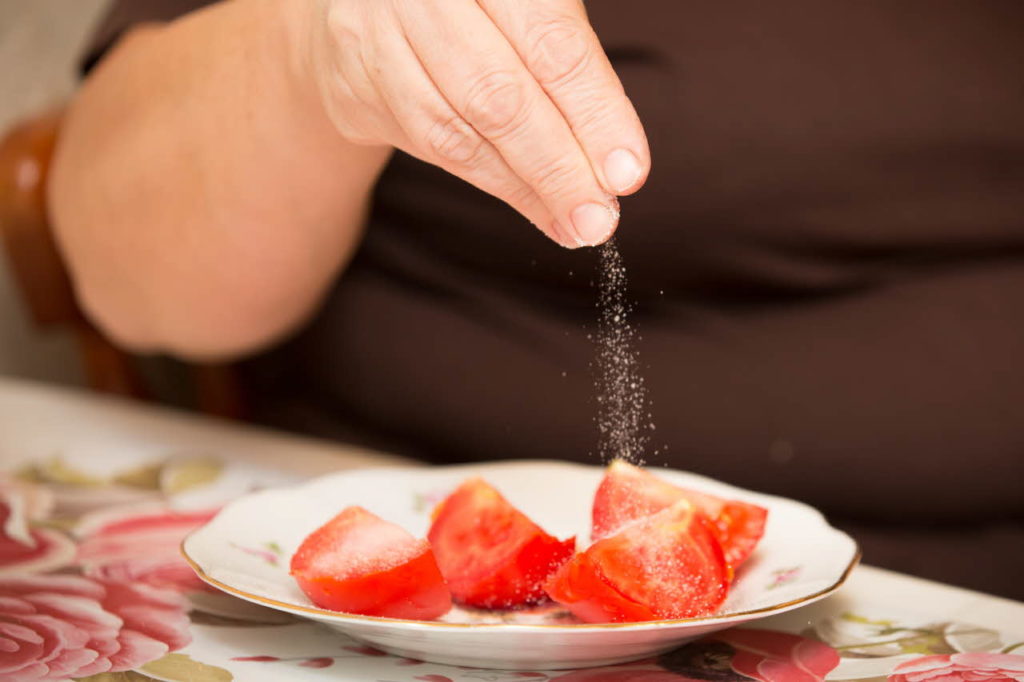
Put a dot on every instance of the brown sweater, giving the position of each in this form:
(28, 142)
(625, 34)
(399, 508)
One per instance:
(828, 267)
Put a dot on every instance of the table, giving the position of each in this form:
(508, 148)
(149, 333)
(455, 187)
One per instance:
(96, 494)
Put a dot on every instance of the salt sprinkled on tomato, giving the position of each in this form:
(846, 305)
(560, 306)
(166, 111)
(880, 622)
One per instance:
(628, 493)
(360, 563)
(665, 566)
(491, 554)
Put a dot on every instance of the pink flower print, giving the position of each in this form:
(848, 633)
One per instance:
(740, 655)
(966, 667)
(140, 546)
(778, 656)
(24, 549)
(53, 627)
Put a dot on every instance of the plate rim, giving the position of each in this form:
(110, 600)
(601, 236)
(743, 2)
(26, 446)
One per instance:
(342, 618)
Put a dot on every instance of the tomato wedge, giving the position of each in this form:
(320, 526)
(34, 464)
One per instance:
(667, 565)
(360, 563)
(491, 554)
(627, 493)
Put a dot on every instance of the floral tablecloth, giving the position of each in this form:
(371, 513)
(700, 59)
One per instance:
(92, 585)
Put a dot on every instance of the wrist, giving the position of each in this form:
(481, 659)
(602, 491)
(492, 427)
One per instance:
(301, 51)
(287, 30)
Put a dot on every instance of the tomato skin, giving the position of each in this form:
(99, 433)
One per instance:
(667, 565)
(627, 493)
(580, 586)
(740, 526)
(520, 581)
(491, 554)
(401, 581)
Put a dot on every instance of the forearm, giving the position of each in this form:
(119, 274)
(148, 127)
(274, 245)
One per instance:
(200, 195)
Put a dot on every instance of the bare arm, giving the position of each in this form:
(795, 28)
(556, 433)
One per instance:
(200, 194)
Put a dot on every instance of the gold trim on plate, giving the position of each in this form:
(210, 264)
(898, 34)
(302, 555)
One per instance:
(297, 608)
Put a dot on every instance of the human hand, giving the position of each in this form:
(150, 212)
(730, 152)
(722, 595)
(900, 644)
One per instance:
(514, 96)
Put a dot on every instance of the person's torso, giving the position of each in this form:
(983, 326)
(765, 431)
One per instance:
(828, 265)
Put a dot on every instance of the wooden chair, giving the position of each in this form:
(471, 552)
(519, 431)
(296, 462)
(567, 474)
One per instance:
(42, 279)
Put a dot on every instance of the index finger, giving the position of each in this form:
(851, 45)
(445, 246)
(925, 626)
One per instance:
(478, 71)
(559, 47)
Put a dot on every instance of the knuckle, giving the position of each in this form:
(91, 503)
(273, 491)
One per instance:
(592, 115)
(354, 130)
(496, 104)
(348, 46)
(519, 195)
(359, 137)
(556, 179)
(453, 140)
(341, 26)
(558, 50)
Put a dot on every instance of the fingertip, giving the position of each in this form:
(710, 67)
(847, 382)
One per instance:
(594, 223)
(637, 185)
(622, 170)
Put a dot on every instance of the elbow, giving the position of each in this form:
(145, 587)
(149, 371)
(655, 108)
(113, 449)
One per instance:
(192, 324)
(194, 306)
(184, 305)
(161, 292)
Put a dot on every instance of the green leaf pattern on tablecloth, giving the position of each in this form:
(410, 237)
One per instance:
(181, 668)
(126, 676)
(57, 470)
(873, 645)
(145, 477)
(187, 472)
(856, 636)
(171, 476)
(1013, 647)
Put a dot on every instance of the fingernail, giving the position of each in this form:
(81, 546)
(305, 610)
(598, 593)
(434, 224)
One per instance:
(594, 223)
(621, 170)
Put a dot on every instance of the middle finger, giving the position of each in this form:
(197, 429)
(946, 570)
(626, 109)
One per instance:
(481, 75)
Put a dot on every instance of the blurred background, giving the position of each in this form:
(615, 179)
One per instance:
(40, 42)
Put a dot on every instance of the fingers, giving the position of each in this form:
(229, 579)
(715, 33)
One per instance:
(484, 80)
(433, 131)
(557, 44)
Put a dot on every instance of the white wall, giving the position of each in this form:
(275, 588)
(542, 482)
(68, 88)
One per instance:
(40, 41)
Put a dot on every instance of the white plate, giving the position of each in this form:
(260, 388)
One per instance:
(246, 549)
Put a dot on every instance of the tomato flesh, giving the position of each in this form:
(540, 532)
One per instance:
(491, 554)
(360, 563)
(627, 493)
(665, 566)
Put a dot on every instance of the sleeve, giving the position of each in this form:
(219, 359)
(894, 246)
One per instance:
(123, 14)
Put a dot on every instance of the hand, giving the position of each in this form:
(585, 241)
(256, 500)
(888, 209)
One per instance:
(514, 96)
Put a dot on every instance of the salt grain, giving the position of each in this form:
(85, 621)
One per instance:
(621, 393)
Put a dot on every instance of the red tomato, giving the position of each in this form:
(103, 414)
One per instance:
(627, 493)
(667, 565)
(360, 563)
(491, 554)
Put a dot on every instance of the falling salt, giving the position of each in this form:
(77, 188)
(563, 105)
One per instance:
(621, 393)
